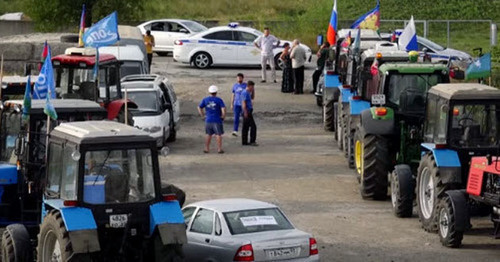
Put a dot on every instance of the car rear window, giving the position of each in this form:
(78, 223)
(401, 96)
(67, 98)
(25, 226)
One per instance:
(257, 220)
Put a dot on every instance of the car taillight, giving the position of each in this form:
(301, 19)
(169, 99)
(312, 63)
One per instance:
(381, 111)
(244, 253)
(313, 246)
(177, 42)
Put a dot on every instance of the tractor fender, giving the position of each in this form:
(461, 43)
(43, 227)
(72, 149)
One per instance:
(115, 106)
(460, 210)
(345, 94)
(82, 229)
(376, 126)
(447, 161)
(167, 217)
(357, 106)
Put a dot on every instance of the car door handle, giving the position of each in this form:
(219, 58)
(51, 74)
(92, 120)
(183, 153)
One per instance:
(207, 240)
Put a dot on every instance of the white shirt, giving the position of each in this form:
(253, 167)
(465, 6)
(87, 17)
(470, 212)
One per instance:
(266, 44)
(298, 56)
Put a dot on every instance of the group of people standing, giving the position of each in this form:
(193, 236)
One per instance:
(213, 110)
(294, 59)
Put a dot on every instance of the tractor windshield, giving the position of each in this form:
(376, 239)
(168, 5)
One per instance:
(11, 126)
(411, 88)
(80, 83)
(475, 125)
(118, 176)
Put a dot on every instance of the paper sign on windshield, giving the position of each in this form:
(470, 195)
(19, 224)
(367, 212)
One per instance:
(258, 221)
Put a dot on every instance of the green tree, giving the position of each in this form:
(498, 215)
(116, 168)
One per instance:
(52, 15)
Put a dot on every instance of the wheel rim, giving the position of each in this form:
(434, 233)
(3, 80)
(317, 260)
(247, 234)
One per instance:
(201, 60)
(426, 193)
(358, 156)
(51, 248)
(394, 190)
(444, 220)
(280, 63)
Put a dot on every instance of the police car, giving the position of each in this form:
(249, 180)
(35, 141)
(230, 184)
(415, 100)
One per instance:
(225, 45)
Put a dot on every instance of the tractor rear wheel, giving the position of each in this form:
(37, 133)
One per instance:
(328, 116)
(448, 233)
(167, 253)
(430, 188)
(402, 191)
(358, 153)
(54, 243)
(339, 130)
(16, 244)
(350, 150)
(375, 166)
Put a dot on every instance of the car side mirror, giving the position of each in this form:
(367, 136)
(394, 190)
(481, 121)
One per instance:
(167, 105)
(20, 146)
(183, 31)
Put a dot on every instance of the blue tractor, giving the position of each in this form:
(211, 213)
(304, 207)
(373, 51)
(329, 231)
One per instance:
(93, 193)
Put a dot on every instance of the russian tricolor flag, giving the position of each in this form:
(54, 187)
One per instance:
(408, 39)
(331, 34)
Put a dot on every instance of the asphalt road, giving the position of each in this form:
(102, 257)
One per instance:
(298, 167)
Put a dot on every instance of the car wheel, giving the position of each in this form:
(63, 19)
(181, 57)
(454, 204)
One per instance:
(202, 60)
(278, 63)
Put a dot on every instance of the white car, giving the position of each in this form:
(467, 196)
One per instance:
(166, 31)
(158, 111)
(225, 45)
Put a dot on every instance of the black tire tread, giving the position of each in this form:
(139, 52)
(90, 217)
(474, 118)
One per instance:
(376, 162)
(454, 237)
(328, 116)
(404, 201)
(16, 244)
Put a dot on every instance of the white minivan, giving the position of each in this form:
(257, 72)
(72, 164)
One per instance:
(158, 111)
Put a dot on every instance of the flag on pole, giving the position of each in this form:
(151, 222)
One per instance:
(346, 42)
(481, 68)
(44, 55)
(45, 84)
(408, 39)
(27, 100)
(370, 20)
(49, 109)
(82, 27)
(331, 34)
(96, 64)
(103, 33)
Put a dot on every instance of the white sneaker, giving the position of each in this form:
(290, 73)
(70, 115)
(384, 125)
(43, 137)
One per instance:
(235, 133)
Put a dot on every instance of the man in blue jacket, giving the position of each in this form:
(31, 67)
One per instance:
(215, 112)
(248, 121)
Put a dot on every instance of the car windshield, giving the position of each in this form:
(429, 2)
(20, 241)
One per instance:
(257, 220)
(118, 176)
(131, 68)
(194, 26)
(475, 125)
(401, 85)
(430, 44)
(11, 125)
(145, 100)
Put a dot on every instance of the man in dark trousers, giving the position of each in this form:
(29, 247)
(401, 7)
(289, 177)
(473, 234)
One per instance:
(248, 121)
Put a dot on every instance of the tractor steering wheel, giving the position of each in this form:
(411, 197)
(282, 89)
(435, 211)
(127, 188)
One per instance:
(461, 121)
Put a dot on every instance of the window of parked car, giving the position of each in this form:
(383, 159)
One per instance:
(158, 26)
(175, 27)
(194, 27)
(246, 37)
(431, 46)
(257, 220)
(220, 35)
(203, 222)
(188, 214)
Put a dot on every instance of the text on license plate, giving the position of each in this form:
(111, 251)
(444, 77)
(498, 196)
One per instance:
(117, 221)
(283, 252)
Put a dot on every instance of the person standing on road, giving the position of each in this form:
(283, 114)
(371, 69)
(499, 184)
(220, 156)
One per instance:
(215, 111)
(248, 121)
(236, 102)
(266, 43)
(322, 54)
(298, 56)
(287, 82)
(149, 41)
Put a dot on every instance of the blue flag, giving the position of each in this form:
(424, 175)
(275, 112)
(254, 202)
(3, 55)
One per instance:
(27, 100)
(481, 68)
(45, 82)
(103, 33)
(49, 109)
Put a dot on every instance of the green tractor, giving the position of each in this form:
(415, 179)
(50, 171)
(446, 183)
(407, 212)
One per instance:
(390, 131)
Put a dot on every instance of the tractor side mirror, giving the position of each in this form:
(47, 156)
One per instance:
(20, 146)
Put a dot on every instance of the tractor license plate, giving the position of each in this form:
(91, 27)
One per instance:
(118, 221)
(378, 99)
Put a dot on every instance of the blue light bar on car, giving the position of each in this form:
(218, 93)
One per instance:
(233, 24)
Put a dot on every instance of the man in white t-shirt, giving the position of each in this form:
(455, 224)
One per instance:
(266, 43)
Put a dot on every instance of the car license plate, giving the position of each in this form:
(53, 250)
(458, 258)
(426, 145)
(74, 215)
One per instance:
(283, 252)
(378, 99)
(118, 221)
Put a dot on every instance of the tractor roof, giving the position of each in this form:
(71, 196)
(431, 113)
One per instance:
(392, 55)
(60, 105)
(99, 132)
(75, 60)
(412, 68)
(466, 91)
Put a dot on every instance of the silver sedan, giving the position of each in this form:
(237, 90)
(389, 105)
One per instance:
(244, 230)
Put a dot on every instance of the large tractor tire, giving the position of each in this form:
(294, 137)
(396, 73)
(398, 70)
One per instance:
(340, 125)
(358, 154)
(121, 117)
(16, 244)
(449, 234)
(335, 120)
(402, 191)
(430, 189)
(375, 167)
(350, 150)
(328, 116)
(54, 243)
(319, 101)
(167, 253)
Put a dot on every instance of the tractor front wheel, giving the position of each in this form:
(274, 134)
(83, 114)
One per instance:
(16, 244)
(375, 166)
(54, 243)
(448, 233)
(402, 191)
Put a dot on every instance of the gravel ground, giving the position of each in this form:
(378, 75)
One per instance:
(298, 167)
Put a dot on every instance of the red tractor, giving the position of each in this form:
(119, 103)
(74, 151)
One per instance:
(75, 79)
(482, 193)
